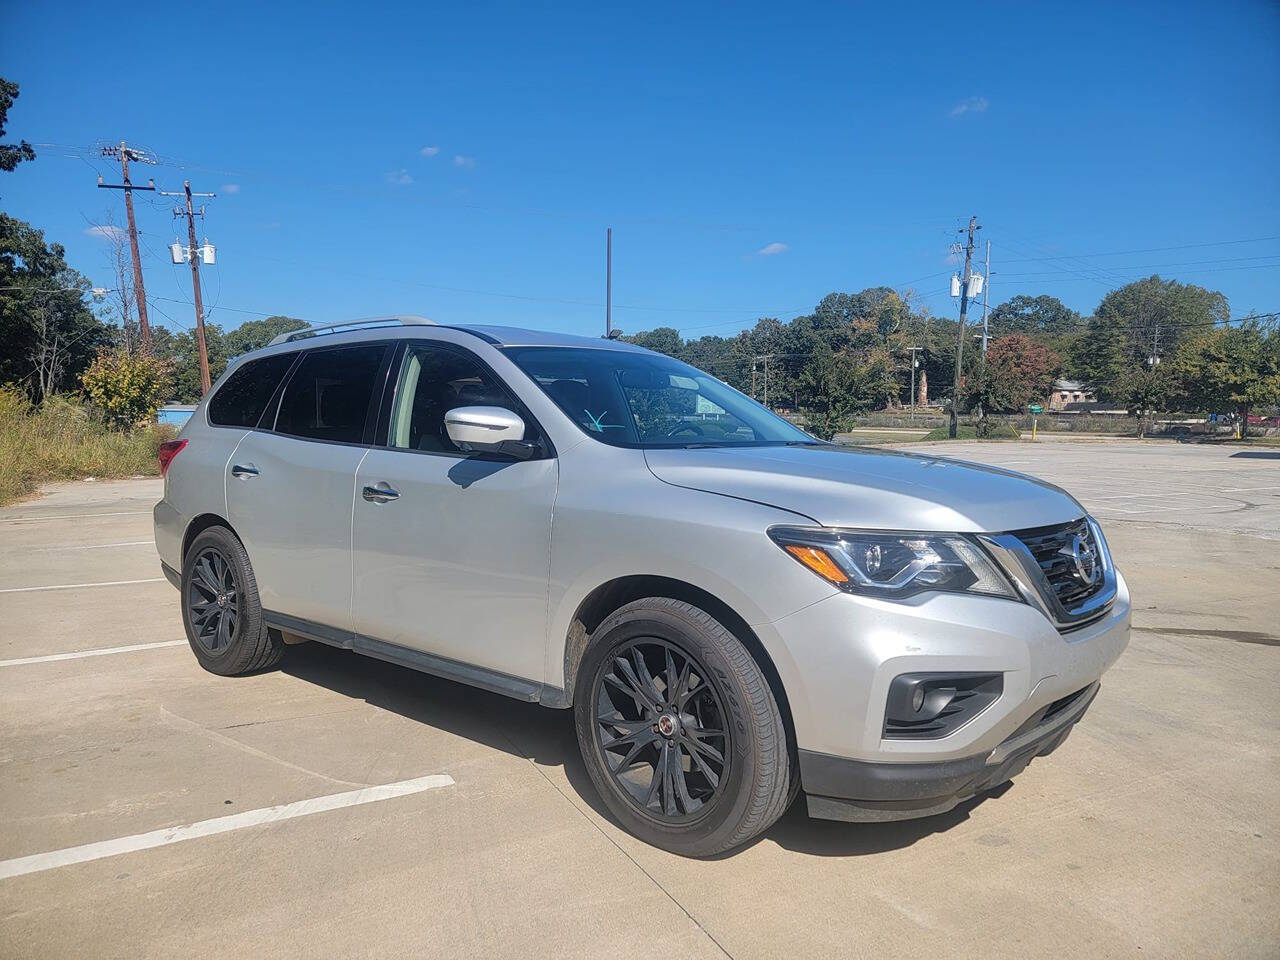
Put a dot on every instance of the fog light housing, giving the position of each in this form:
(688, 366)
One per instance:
(926, 706)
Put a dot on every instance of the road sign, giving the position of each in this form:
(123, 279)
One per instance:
(1036, 408)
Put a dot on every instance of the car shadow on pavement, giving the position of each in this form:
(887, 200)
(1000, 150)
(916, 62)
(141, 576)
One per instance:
(547, 739)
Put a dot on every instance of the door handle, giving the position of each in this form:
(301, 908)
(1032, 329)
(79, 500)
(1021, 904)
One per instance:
(243, 470)
(380, 492)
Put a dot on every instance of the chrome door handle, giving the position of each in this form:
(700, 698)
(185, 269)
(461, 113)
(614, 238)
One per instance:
(380, 492)
(243, 470)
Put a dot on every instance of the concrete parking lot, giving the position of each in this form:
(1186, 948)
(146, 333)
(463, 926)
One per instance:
(408, 816)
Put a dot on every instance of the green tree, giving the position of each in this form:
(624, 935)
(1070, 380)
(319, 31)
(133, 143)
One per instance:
(126, 386)
(663, 340)
(1230, 368)
(183, 356)
(1043, 315)
(255, 334)
(11, 154)
(1145, 390)
(1144, 319)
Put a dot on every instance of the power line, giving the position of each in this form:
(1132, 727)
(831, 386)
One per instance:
(1179, 263)
(1121, 253)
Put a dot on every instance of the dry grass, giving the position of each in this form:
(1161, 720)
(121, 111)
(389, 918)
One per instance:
(60, 440)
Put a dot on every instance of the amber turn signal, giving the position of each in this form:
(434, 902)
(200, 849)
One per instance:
(818, 560)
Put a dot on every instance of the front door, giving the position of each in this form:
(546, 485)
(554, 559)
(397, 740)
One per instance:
(289, 490)
(452, 549)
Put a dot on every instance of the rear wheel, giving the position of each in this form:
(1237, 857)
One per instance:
(221, 609)
(679, 729)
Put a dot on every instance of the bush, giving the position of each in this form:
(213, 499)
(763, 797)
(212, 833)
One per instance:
(127, 387)
(61, 440)
(995, 431)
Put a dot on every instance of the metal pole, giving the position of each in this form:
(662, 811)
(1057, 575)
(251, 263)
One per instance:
(914, 351)
(986, 286)
(194, 257)
(140, 292)
(608, 283)
(964, 311)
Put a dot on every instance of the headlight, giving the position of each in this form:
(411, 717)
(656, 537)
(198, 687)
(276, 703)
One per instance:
(894, 566)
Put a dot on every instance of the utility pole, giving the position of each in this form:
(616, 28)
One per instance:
(986, 285)
(127, 153)
(914, 362)
(193, 257)
(761, 358)
(608, 283)
(964, 311)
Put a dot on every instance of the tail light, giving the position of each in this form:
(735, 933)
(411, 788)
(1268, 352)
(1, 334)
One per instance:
(168, 450)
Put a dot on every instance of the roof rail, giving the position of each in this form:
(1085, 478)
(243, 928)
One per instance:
(348, 325)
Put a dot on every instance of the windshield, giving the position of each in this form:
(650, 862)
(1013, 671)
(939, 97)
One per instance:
(651, 401)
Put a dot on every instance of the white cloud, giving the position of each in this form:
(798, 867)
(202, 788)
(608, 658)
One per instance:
(970, 105)
(772, 249)
(106, 231)
(231, 188)
(463, 161)
(429, 151)
(399, 178)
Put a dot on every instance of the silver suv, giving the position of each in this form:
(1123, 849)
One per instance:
(734, 610)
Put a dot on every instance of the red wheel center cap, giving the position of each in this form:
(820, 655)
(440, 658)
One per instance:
(667, 724)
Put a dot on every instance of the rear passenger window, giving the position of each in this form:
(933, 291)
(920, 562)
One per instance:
(328, 396)
(240, 401)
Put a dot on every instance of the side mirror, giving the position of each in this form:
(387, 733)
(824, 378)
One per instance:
(488, 430)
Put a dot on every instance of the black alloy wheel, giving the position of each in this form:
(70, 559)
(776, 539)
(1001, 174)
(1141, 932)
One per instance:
(213, 600)
(661, 730)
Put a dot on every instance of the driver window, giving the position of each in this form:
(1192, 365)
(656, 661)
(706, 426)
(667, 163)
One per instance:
(432, 382)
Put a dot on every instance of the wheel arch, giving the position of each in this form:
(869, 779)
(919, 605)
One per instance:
(611, 595)
(199, 524)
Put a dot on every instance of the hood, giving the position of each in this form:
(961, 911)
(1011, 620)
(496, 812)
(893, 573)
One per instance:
(873, 489)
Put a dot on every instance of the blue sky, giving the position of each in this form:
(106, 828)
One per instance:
(463, 160)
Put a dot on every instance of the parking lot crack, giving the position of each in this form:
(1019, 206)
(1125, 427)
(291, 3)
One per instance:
(190, 726)
(652, 879)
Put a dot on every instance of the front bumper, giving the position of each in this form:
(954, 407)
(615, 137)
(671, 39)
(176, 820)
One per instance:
(838, 788)
(837, 659)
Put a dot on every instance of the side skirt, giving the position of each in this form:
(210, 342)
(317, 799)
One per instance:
(494, 681)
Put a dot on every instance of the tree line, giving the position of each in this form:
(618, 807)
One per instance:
(1151, 345)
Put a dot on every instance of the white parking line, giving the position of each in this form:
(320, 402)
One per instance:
(76, 516)
(77, 586)
(20, 866)
(102, 652)
(99, 546)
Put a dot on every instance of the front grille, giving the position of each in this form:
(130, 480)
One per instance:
(1053, 549)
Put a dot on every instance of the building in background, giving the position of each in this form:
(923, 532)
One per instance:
(175, 413)
(1070, 391)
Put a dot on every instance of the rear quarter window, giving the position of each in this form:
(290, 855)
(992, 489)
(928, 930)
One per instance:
(241, 400)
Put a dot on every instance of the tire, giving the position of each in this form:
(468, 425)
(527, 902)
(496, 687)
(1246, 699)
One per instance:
(630, 733)
(221, 610)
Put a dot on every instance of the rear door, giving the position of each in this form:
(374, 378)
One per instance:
(290, 483)
(455, 564)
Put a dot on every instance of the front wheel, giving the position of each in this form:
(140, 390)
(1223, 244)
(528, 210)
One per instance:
(679, 729)
(221, 610)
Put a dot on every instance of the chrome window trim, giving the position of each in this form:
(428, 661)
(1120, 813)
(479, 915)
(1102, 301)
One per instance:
(1017, 561)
